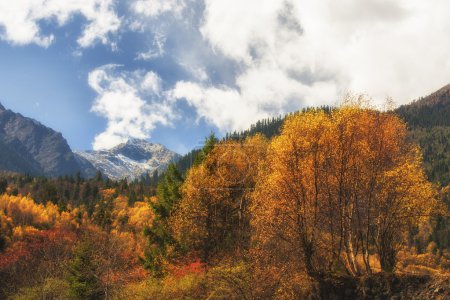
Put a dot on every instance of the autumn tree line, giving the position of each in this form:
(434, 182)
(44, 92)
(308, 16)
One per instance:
(336, 192)
(76, 190)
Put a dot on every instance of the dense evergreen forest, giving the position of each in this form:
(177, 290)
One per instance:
(321, 203)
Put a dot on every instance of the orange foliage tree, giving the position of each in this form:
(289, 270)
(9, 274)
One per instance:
(38, 255)
(337, 187)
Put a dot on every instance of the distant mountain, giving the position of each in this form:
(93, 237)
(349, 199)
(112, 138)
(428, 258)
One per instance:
(130, 160)
(430, 111)
(27, 146)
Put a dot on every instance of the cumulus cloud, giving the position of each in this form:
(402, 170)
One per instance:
(20, 20)
(265, 39)
(132, 103)
(309, 52)
(220, 106)
(236, 109)
(238, 61)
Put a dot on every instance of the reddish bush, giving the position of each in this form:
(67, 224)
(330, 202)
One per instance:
(193, 267)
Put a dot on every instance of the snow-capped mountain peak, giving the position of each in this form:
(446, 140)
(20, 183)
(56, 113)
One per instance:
(129, 160)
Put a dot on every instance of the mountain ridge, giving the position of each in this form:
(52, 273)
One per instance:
(28, 146)
(429, 111)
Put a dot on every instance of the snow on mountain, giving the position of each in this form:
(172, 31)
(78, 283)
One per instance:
(129, 160)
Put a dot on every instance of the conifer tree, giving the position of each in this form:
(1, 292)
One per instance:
(207, 148)
(161, 242)
(81, 274)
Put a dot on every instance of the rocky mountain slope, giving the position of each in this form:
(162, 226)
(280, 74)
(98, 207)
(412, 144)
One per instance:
(27, 146)
(129, 160)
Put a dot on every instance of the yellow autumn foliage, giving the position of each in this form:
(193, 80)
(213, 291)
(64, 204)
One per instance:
(338, 186)
(24, 211)
(140, 215)
(132, 218)
(213, 215)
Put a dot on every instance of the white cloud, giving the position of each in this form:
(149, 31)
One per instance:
(155, 8)
(156, 18)
(261, 94)
(309, 52)
(385, 48)
(198, 72)
(248, 59)
(220, 106)
(130, 101)
(19, 20)
(264, 39)
(237, 27)
(151, 83)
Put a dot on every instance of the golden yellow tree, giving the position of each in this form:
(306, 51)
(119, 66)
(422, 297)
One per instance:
(290, 190)
(336, 187)
(212, 215)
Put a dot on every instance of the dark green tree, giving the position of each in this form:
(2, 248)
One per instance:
(159, 235)
(82, 270)
(210, 142)
(98, 177)
(2, 243)
(3, 185)
(103, 214)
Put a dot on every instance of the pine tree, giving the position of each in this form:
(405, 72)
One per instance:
(161, 242)
(209, 145)
(102, 215)
(81, 273)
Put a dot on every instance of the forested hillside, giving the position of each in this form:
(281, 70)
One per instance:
(429, 111)
(429, 125)
(74, 190)
(327, 203)
(428, 122)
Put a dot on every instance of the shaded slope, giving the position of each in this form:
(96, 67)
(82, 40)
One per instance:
(27, 146)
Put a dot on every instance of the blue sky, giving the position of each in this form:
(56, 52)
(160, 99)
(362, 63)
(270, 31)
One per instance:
(171, 71)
